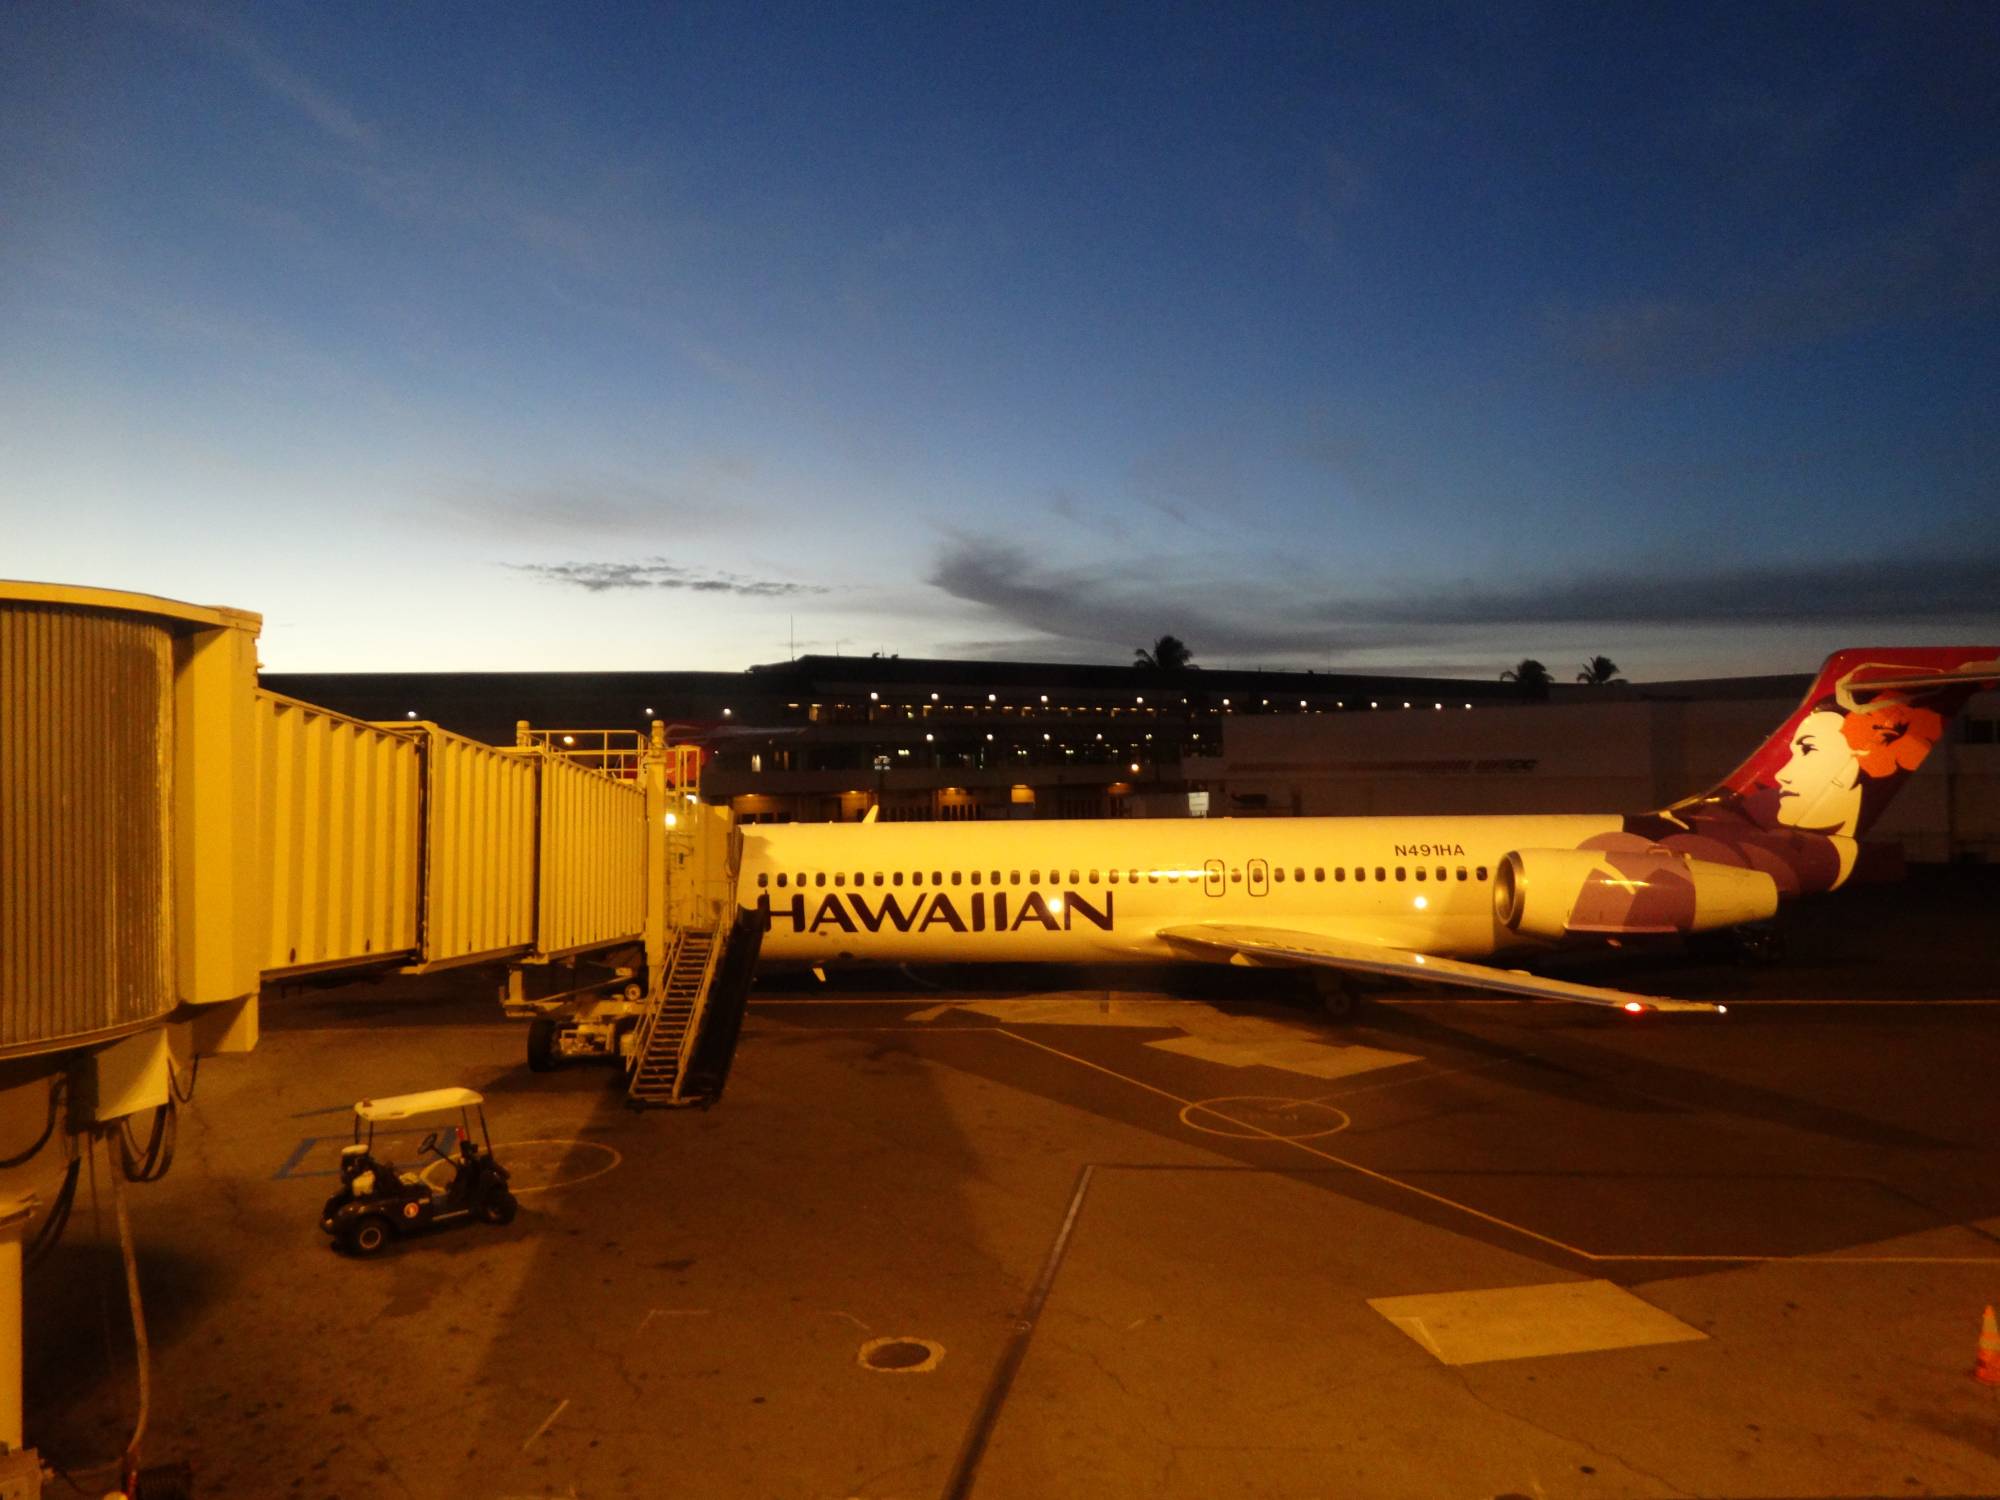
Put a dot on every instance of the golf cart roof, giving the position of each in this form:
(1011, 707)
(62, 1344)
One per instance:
(402, 1106)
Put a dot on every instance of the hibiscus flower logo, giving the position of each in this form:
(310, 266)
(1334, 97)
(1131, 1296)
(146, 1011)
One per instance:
(1890, 736)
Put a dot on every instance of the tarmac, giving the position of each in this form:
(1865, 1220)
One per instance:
(1151, 1234)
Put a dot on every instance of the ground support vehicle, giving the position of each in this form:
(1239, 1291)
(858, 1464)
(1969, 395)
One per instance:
(376, 1203)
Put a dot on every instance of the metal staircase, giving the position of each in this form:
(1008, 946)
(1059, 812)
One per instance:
(670, 1027)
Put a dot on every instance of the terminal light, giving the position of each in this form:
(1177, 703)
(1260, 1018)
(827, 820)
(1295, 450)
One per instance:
(1633, 1007)
(1142, 697)
(933, 697)
(1135, 768)
(928, 738)
(874, 697)
(727, 712)
(569, 739)
(649, 713)
(413, 713)
(992, 697)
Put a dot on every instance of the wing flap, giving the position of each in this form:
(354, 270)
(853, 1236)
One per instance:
(1276, 945)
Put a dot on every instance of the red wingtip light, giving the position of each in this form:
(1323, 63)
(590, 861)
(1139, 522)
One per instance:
(1633, 1007)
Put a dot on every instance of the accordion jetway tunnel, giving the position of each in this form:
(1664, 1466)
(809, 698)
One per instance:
(176, 842)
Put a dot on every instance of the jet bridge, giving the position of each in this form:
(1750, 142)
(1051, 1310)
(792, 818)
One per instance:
(176, 843)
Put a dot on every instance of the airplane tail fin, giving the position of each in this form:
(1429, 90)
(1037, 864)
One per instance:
(1869, 720)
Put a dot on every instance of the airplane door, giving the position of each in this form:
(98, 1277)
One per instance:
(1212, 879)
(1260, 877)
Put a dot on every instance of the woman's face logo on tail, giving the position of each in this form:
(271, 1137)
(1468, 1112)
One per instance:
(1819, 787)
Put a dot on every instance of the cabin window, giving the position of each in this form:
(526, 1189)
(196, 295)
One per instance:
(1152, 877)
(897, 878)
(1403, 874)
(781, 882)
(1480, 873)
(1013, 877)
(840, 877)
(1093, 876)
(975, 877)
(763, 882)
(1034, 877)
(1461, 872)
(1318, 873)
(916, 877)
(1380, 873)
(859, 878)
(1421, 872)
(993, 877)
(820, 878)
(937, 877)
(878, 877)
(1298, 872)
(1114, 877)
(1340, 873)
(956, 876)
(1132, 877)
(1278, 874)
(1442, 875)
(1075, 880)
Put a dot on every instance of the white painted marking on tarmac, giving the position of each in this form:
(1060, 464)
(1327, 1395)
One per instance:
(504, 1149)
(547, 1422)
(929, 1014)
(1289, 1054)
(1296, 1119)
(834, 1312)
(1532, 1322)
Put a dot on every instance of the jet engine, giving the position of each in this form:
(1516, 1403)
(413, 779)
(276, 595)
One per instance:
(1555, 893)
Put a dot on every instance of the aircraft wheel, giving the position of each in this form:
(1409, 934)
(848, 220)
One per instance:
(542, 1054)
(1337, 998)
(367, 1236)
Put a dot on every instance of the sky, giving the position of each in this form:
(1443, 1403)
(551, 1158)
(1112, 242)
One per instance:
(1352, 337)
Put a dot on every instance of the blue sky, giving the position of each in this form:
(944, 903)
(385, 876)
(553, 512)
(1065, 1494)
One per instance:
(657, 336)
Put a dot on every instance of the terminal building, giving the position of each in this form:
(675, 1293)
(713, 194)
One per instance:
(824, 739)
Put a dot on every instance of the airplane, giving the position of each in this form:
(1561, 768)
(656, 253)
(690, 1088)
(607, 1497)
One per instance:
(1421, 897)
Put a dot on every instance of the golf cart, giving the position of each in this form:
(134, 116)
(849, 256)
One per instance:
(376, 1202)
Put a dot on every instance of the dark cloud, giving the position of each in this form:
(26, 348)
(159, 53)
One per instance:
(658, 573)
(1941, 261)
(1881, 588)
(1104, 613)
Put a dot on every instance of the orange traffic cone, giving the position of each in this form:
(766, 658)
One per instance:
(1986, 1370)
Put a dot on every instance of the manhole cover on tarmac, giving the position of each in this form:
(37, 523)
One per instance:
(901, 1356)
(1260, 1117)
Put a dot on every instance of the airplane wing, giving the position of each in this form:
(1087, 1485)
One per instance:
(1274, 945)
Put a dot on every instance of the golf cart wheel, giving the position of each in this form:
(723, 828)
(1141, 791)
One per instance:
(542, 1053)
(499, 1208)
(367, 1236)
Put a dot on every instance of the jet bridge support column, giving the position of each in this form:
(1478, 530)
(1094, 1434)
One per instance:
(653, 768)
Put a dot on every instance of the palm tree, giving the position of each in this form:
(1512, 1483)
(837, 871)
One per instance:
(1531, 677)
(1597, 671)
(1169, 654)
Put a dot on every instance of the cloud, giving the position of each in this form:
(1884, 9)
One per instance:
(1110, 611)
(1861, 590)
(1943, 260)
(272, 73)
(596, 507)
(658, 573)
(1265, 617)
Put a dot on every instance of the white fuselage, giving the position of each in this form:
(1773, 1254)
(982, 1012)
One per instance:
(1100, 891)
